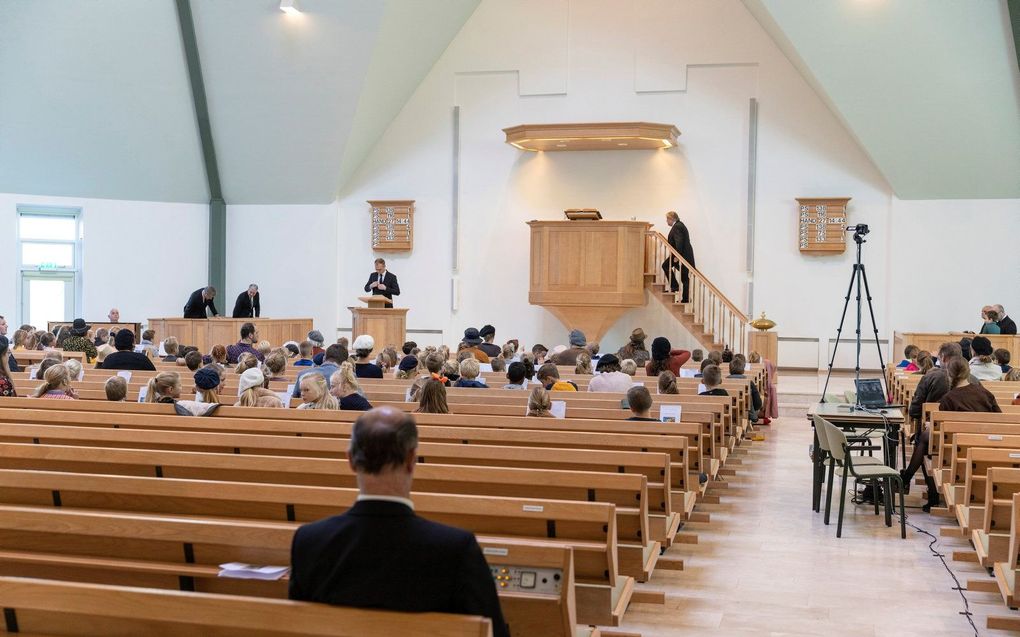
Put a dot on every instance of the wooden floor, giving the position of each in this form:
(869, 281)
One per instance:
(767, 565)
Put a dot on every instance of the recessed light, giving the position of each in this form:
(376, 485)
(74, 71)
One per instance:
(561, 145)
(289, 7)
(621, 143)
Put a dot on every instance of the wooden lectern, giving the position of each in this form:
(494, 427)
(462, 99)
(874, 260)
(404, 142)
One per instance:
(386, 325)
(588, 273)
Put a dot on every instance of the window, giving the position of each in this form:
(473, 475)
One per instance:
(49, 257)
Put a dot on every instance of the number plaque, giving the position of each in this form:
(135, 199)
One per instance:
(822, 224)
(392, 225)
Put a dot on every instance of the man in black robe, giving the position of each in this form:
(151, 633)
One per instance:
(680, 240)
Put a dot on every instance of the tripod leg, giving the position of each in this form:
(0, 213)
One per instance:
(874, 326)
(839, 330)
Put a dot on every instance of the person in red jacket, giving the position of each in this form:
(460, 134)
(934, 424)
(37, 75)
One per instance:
(664, 357)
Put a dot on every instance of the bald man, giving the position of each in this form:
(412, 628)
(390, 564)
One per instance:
(379, 554)
(114, 315)
(1006, 324)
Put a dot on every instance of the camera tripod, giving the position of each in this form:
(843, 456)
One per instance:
(858, 277)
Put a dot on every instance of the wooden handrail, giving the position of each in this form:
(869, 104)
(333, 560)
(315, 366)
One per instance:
(722, 297)
(710, 306)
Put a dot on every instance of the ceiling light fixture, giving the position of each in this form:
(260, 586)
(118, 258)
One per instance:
(289, 7)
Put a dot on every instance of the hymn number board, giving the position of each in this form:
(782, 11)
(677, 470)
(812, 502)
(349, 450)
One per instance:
(392, 225)
(822, 223)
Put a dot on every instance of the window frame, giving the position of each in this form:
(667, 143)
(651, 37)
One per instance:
(77, 245)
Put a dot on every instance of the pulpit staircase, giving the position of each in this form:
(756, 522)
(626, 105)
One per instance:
(713, 320)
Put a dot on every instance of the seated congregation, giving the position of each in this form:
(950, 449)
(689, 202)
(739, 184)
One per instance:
(467, 459)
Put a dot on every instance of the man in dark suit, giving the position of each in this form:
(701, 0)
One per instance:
(680, 240)
(383, 282)
(247, 303)
(1006, 324)
(379, 554)
(199, 300)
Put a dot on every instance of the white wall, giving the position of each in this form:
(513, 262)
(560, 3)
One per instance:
(290, 252)
(698, 69)
(142, 257)
(951, 258)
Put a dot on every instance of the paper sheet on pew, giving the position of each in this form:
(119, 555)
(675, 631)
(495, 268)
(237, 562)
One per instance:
(31, 372)
(284, 397)
(162, 352)
(484, 367)
(701, 388)
(240, 570)
(558, 409)
(81, 375)
(670, 413)
(142, 391)
(687, 373)
(126, 375)
(407, 396)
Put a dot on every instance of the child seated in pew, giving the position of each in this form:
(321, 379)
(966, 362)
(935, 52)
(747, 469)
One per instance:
(315, 393)
(251, 391)
(629, 367)
(515, 374)
(539, 403)
(304, 355)
(170, 346)
(909, 362)
(116, 389)
(711, 378)
(193, 360)
(737, 366)
(73, 368)
(667, 383)
(640, 401)
(208, 385)
(275, 366)
(469, 370)
(451, 371)
(705, 363)
(1002, 358)
(549, 377)
(56, 383)
(925, 363)
(583, 365)
(345, 388)
(406, 367)
(245, 362)
(498, 363)
(432, 397)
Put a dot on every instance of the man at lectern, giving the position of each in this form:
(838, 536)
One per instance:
(383, 282)
(680, 240)
(247, 304)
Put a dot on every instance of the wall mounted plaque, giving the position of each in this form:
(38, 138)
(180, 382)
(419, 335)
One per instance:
(821, 225)
(392, 228)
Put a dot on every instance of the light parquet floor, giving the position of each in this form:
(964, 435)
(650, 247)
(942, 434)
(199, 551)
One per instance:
(767, 565)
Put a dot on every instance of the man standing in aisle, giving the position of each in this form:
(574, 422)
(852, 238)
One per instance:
(383, 282)
(247, 303)
(199, 300)
(680, 240)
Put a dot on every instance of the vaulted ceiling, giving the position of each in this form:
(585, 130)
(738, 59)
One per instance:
(95, 100)
(930, 88)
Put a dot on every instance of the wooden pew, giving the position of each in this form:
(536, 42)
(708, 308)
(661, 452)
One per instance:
(588, 527)
(991, 533)
(152, 551)
(45, 607)
(1006, 570)
(638, 550)
(978, 461)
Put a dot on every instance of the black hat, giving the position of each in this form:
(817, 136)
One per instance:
(79, 327)
(471, 336)
(487, 330)
(124, 340)
(660, 348)
(606, 360)
(981, 346)
(207, 378)
(408, 363)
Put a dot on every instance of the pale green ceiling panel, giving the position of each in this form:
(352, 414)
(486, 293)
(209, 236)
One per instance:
(94, 102)
(930, 88)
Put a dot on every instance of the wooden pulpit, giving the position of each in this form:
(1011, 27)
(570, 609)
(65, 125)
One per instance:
(386, 325)
(588, 273)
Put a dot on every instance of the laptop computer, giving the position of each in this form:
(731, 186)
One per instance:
(870, 394)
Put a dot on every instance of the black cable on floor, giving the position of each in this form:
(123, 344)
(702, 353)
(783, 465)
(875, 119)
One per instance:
(942, 558)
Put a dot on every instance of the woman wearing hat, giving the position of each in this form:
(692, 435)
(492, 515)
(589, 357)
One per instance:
(472, 339)
(635, 348)
(363, 365)
(982, 366)
(77, 341)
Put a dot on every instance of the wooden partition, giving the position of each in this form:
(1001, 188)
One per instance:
(587, 273)
(931, 341)
(204, 333)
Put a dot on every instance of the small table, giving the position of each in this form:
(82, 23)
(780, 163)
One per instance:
(848, 417)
